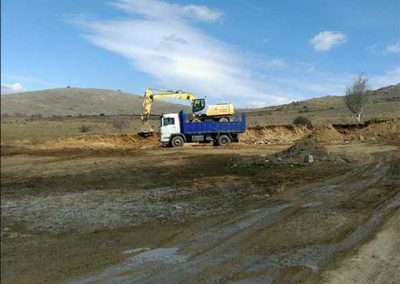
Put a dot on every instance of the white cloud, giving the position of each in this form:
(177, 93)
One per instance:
(257, 104)
(311, 68)
(202, 13)
(29, 80)
(159, 10)
(11, 89)
(160, 40)
(324, 41)
(391, 77)
(393, 48)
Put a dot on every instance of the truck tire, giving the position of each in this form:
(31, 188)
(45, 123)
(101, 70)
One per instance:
(224, 140)
(177, 141)
(223, 119)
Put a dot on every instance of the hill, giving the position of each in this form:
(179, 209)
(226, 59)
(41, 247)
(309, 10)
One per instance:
(384, 103)
(76, 101)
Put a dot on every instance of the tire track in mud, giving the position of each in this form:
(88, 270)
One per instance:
(214, 256)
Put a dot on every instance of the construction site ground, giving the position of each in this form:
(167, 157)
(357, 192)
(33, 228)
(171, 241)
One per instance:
(121, 209)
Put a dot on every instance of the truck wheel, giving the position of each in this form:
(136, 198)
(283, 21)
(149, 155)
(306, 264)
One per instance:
(223, 119)
(177, 141)
(224, 140)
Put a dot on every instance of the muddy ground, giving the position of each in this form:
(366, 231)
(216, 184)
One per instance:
(200, 214)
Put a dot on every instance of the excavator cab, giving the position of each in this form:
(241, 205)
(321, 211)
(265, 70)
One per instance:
(198, 106)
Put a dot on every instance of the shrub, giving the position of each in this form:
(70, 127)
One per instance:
(84, 128)
(302, 120)
(19, 114)
(118, 122)
(303, 110)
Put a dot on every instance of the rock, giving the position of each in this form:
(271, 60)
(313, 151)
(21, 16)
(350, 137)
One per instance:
(309, 158)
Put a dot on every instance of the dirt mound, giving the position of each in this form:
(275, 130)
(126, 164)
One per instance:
(303, 147)
(389, 130)
(376, 130)
(280, 134)
(107, 141)
(304, 151)
(326, 134)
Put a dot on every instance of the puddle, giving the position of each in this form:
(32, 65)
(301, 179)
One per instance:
(208, 249)
(208, 237)
(330, 191)
(314, 257)
(134, 251)
(312, 204)
(259, 280)
(164, 255)
(216, 247)
(141, 262)
(262, 214)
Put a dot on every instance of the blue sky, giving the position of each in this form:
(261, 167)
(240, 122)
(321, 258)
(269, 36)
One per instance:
(253, 53)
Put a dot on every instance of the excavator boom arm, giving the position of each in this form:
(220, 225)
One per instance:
(150, 96)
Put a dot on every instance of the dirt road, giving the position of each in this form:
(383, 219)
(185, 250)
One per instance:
(202, 215)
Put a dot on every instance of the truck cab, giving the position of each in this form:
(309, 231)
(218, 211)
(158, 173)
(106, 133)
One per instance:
(170, 126)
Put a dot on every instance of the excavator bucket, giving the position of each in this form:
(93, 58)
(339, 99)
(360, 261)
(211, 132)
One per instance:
(146, 130)
(145, 133)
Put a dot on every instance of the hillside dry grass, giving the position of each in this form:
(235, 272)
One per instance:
(384, 104)
(41, 129)
(79, 101)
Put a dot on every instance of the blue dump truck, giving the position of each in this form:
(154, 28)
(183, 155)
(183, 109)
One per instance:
(176, 130)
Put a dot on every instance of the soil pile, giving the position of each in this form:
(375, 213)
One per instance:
(304, 147)
(108, 141)
(326, 134)
(389, 130)
(280, 134)
(304, 151)
(380, 130)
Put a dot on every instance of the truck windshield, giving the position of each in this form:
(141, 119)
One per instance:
(168, 121)
(198, 105)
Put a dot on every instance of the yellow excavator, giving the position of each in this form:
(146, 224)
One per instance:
(201, 110)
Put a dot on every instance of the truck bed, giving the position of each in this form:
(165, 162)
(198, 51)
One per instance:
(236, 126)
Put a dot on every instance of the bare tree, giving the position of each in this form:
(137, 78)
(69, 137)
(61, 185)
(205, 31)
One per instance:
(357, 96)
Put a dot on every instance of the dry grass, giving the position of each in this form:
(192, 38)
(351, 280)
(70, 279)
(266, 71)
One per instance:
(38, 130)
(383, 104)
